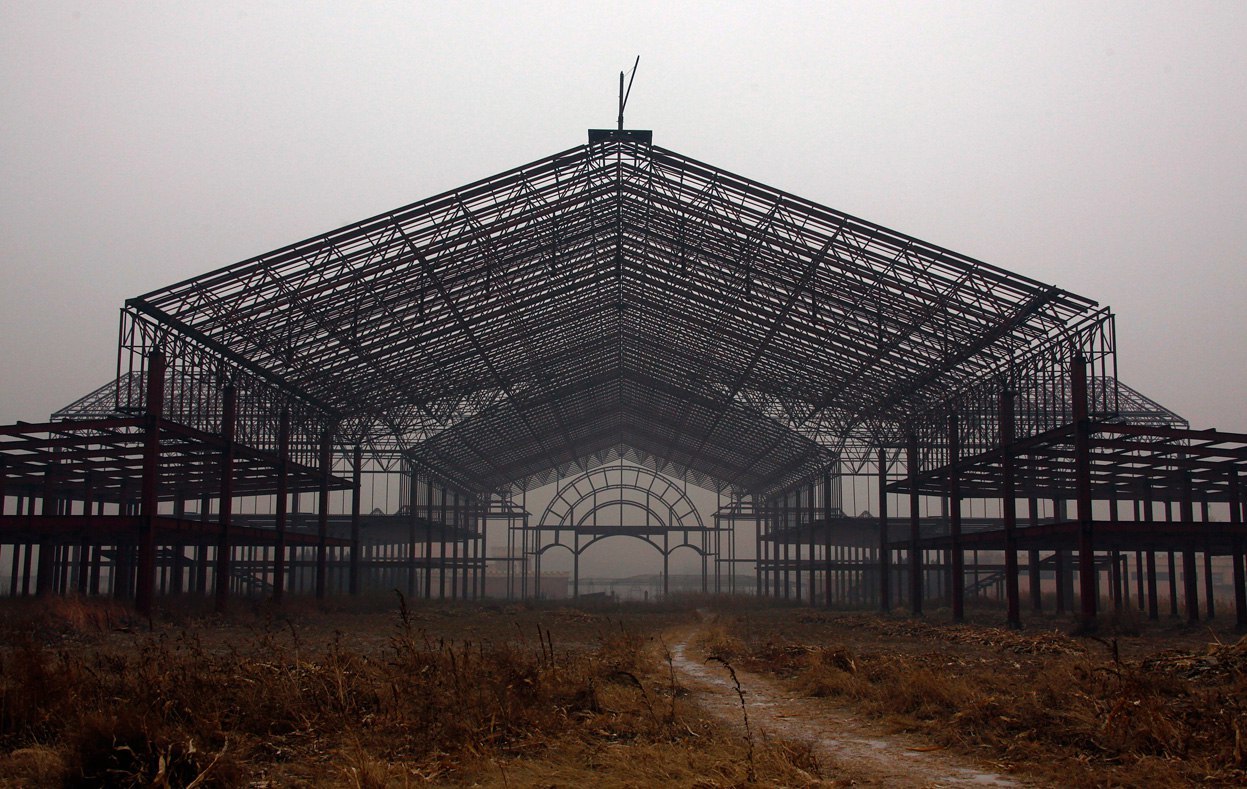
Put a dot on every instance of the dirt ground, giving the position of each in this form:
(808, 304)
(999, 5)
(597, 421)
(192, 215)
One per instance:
(695, 692)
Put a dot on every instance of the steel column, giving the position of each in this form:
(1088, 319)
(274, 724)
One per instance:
(1008, 505)
(957, 581)
(223, 548)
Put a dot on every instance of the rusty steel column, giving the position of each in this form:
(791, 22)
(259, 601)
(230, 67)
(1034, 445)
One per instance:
(1059, 570)
(812, 514)
(46, 566)
(428, 544)
(356, 494)
(1173, 571)
(1209, 602)
(1032, 555)
(1008, 504)
(468, 525)
(483, 549)
(283, 496)
(322, 513)
(1118, 579)
(757, 548)
(223, 547)
(885, 577)
(796, 541)
(441, 556)
(84, 559)
(178, 569)
(957, 581)
(1082, 482)
(773, 527)
(1190, 581)
(916, 587)
(412, 509)
(1236, 551)
(786, 519)
(827, 540)
(1153, 596)
(457, 518)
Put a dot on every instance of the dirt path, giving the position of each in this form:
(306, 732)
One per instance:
(848, 747)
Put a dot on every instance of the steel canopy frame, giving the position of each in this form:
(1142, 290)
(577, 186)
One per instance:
(613, 299)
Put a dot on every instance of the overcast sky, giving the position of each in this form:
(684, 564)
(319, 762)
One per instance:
(1101, 147)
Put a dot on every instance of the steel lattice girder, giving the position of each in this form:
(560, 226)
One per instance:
(1154, 462)
(618, 296)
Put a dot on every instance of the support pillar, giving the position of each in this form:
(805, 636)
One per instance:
(1082, 481)
(322, 514)
(428, 543)
(283, 496)
(145, 590)
(1240, 575)
(957, 581)
(412, 509)
(441, 554)
(223, 547)
(916, 590)
(1008, 506)
(356, 493)
(885, 578)
(1032, 556)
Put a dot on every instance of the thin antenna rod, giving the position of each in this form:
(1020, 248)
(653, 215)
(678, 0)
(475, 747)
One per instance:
(623, 96)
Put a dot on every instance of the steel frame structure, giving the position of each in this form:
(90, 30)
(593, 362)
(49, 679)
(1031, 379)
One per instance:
(583, 510)
(617, 301)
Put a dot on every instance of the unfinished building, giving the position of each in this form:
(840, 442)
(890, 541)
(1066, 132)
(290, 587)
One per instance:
(612, 318)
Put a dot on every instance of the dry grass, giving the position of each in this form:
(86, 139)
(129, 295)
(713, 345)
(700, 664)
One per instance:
(1131, 711)
(456, 694)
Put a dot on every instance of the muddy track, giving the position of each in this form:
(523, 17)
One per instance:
(849, 748)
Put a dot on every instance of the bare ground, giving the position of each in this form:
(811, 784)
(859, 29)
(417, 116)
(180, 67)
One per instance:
(856, 751)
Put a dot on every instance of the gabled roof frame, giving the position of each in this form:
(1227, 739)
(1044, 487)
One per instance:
(610, 298)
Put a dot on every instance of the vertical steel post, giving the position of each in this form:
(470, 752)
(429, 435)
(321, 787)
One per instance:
(796, 541)
(827, 513)
(1153, 596)
(454, 548)
(483, 550)
(441, 555)
(84, 564)
(356, 502)
(428, 542)
(1208, 596)
(757, 548)
(1190, 581)
(322, 514)
(885, 556)
(223, 547)
(1082, 481)
(469, 514)
(412, 508)
(283, 496)
(954, 518)
(1173, 570)
(1036, 571)
(1008, 506)
(1239, 573)
(916, 590)
(812, 515)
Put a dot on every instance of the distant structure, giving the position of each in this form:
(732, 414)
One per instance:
(614, 318)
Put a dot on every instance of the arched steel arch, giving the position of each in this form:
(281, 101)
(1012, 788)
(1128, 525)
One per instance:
(576, 508)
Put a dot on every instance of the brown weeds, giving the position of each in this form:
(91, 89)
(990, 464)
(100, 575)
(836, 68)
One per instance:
(261, 698)
(1043, 701)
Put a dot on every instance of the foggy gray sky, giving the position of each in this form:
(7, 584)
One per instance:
(1099, 147)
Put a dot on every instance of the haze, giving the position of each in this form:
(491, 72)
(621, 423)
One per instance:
(1098, 147)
